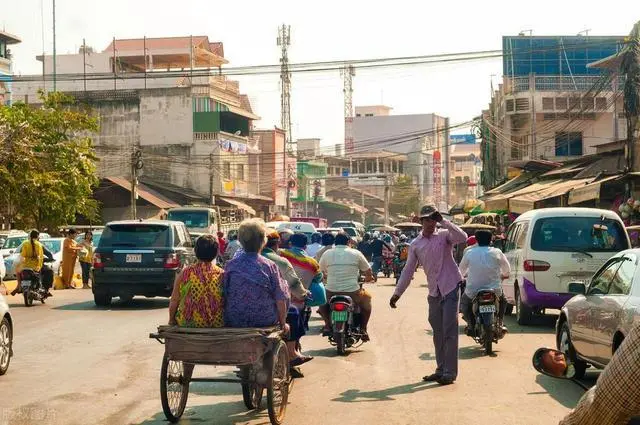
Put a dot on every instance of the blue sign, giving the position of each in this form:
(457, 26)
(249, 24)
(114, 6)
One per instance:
(468, 139)
(345, 173)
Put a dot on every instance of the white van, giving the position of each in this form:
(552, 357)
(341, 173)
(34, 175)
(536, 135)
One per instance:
(548, 248)
(307, 229)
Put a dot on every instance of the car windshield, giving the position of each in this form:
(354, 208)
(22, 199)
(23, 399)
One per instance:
(578, 234)
(351, 231)
(14, 242)
(192, 219)
(135, 236)
(54, 246)
(2, 242)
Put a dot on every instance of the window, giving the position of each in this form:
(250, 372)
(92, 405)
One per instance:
(621, 283)
(575, 234)
(368, 115)
(510, 244)
(568, 144)
(3, 49)
(458, 165)
(358, 115)
(600, 283)
(547, 103)
(522, 235)
(240, 171)
(136, 235)
(226, 170)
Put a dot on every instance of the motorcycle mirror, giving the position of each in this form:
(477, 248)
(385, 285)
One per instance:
(553, 363)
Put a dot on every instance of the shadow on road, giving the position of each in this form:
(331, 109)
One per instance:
(464, 353)
(358, 396)
(564, 392)
(329, 352)
(220, 413)
(540, 325)
(117, 305)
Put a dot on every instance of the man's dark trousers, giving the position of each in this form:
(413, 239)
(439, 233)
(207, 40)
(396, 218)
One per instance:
(443, 318)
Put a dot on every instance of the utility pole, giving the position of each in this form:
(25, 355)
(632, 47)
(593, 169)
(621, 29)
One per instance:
(54, 46)
(84, 64)
(284, 41)
(387, 197)
(136, 165)
(348, 72)
(212, 201)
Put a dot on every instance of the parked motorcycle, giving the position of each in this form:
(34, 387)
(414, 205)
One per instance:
(487, 320)
(31, 285)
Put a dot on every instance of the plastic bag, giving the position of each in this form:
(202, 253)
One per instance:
(318, 295)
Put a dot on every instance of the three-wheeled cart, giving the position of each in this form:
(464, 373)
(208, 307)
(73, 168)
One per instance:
(259, 353)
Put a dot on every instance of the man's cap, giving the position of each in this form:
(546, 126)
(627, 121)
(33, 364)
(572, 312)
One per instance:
(472, 241)
(428, 210)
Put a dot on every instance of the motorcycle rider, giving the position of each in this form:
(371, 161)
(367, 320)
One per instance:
(33, 253)
(342, 266)
(328, 239)
(485, 267)
(365, 246)
(401, 255)
(377, 246)
(315, 246)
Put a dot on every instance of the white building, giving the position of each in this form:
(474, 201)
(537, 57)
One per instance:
(423, 138)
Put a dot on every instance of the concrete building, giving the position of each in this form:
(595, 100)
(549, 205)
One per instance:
(275, 166)
(550, 105)
(6, 66)
(308, 148)
(466, 170)
(193, 127)
(421, 137)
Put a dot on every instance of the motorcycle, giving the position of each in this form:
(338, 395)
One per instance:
(387, 266)
(398, 266)
(346, 320)
(31, 285)
(487, 320)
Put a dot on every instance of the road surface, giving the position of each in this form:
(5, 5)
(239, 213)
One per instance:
(77, 364)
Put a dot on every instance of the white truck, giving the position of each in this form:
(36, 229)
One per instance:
(207, 219)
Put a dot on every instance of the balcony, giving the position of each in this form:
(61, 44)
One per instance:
(557, 83)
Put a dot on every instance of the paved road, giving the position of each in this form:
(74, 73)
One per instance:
(76, 364)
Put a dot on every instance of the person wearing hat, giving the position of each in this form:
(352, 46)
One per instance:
(433, 250)
(472, 242)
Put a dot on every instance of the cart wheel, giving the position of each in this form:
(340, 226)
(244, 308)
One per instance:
(174, 388)
(278, 388)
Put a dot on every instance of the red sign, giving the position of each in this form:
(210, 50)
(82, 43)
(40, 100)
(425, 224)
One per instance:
(437, 178)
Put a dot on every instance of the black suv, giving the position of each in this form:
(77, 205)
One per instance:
(139, 258)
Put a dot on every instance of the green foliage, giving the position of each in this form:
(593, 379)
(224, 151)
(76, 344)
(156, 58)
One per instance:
(47, 162)
(405, 196)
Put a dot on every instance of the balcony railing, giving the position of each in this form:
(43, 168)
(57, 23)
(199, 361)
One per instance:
(559, 83)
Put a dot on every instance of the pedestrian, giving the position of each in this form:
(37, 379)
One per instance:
(232, 247)
(316, 245)
(86, 258)
(70, 250)
(222, 244)
(433, 250)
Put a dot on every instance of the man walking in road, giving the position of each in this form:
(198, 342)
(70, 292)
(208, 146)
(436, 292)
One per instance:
(433, 249)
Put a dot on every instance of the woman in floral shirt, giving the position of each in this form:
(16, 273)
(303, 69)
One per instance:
(197, 301)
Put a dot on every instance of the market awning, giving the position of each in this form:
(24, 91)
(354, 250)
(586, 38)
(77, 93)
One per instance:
(588, 192)
(513, 184)
(145, 193)
(239, 204)
(501, 202)
(526, 202)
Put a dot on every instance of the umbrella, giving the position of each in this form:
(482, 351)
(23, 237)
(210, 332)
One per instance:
(408, 224)
(466, 206)
(386, 229)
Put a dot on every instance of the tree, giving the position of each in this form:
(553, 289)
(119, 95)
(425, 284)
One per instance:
(405, 196)
(47, 162)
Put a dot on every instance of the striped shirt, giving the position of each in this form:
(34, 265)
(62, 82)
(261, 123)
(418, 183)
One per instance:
(307, 269)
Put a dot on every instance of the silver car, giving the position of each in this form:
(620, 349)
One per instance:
(53, 244)
(6, 336)
(593, 324)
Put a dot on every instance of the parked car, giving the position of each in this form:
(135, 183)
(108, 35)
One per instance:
(139, 258)
(6, 336)
(549, 248)
(348, 223)
(593, 324)
(333, 230)
(53, 244)
(3, 269)
(353, 233)
(12, 242)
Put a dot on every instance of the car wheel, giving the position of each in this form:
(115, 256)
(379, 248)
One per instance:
(523, 311)
(6, 343)
(102, 298)
(565, 345)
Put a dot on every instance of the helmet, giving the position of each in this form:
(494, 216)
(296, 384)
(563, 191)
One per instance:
(376, 235)
(367, 236)
(316, 237)
(471, 241)
(403, 238)
(387, 238)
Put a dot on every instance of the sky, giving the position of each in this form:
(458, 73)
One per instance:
(321, 31)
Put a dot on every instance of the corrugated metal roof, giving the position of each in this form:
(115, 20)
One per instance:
(145, 193)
